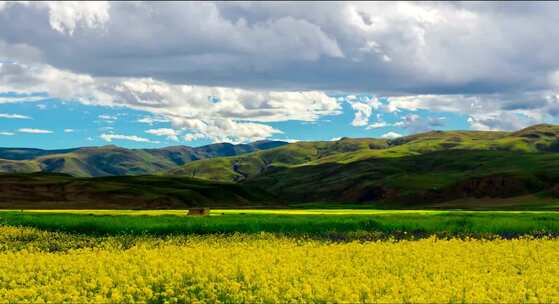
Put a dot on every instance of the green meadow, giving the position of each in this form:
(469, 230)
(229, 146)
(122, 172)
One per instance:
(319, 223)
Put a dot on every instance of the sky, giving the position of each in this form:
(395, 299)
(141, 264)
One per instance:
(147, 75)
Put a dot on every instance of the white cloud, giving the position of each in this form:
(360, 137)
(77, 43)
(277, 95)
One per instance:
(107, 117)
(274, 62)
(401, 47)
(193, 136)
(41, 106)
(111, 136)
(7, 133)
(485, 111)
(151, 120)
(225, 130)
(498, 121)
(34, 131)
(391, 135)
(363, 109)
(66, 16)
(220, 113)
(169, 133)
(288, 140)
(69, 130)
(417, 123)
(14, 116)
(377, 125)
(18, 99)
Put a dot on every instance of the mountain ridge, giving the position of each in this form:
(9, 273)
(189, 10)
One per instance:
(439, 169)
(111, 160)
(430, 167)
(537, 138)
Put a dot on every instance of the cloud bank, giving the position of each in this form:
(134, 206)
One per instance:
(225, 70)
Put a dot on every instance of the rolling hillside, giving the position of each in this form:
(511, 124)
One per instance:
(245, 166)
(455, 169)
(61, 191)
(536, 139)
(428, 168)
(115, 161)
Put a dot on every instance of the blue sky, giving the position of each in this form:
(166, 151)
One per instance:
(193, 73)
(72, 124)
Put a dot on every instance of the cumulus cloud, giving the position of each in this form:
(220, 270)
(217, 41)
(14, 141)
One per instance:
(416, 123)
(66, 16)
(485, 111)
(34, 131)
(403, 47)
(224, 130)
(252, 63)
(110, 137)
(363, 107)
(14, 116)
(69, 130)
(193, 136)
(220, 113)
(391, 135)
(7, 133)
(169, 133)
(499, 121)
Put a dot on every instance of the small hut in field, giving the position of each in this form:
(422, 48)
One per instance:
(198, 211)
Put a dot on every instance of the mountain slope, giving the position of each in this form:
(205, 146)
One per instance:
(113, 160)
(540, 138)
(412, 171)
(417, 179)
(245, 166)
(455, 169)
(52, 191)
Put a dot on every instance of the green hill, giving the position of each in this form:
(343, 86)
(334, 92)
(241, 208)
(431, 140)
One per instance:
(419, 179)
(539, 138)
(453, 169)
(245, 166)
(412, 171)
(115, 161)
(61, 191)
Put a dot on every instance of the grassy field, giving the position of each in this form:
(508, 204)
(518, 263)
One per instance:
(321, 223)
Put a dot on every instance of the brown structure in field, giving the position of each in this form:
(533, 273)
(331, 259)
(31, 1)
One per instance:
(199, 211)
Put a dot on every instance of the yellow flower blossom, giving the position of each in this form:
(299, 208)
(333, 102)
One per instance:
(271, 269)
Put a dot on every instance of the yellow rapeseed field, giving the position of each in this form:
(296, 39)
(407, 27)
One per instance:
(267, 268)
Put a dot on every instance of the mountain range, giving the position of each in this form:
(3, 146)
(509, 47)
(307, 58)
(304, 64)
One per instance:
(437, 169)
(114, 161)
